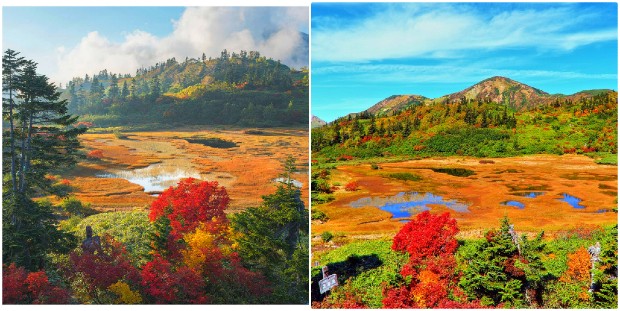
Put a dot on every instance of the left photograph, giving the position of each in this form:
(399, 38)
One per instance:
(155, 155)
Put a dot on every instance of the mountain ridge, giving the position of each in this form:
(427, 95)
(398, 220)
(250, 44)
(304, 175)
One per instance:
(516, 95)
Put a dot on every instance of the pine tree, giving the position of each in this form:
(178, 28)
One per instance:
(273, 240)
(41, 139)
(12, 66)
(505, 269)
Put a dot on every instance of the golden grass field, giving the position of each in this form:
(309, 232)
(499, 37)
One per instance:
(492, 184)
(247, 171)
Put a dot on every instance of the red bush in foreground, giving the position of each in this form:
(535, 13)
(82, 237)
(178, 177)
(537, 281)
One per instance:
(21, 287)
(429, 241)
(165, 285)
(103, 267)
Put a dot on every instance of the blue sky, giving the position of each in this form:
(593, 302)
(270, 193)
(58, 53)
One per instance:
(365, 52)
(73, 41)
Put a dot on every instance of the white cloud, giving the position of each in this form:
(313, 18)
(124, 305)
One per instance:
(447, 73)
(273, 31)
(441, 30)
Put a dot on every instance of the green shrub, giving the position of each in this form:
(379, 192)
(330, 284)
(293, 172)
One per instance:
(118, 134)
(320, 198)
(327, 236)
(133, 229)
(364, 268)
(405, 176)
(74, 206)
(318, 214)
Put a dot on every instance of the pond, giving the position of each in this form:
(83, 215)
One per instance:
(573, 201)
(154, 178)
(529, 194)
(406, 204)
(516, 204)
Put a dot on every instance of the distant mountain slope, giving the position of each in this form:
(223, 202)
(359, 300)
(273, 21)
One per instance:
(317, 122)
(395, 104)
(240, 88)
(514, 94)
(503, 90)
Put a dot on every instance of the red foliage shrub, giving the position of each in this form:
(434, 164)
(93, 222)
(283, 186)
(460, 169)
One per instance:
(103, 267)
(345, 157)
(66, 182)
(350, 301)
(430, 242)
(352, 186)
(418, 147)
(14, 288)
(510, 268)
(191, 203)
(588, 149)
(21, 287)
(95, 154)
(425, 237)
(164, 285)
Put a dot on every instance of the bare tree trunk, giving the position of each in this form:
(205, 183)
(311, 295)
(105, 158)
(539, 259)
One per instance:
(22, 164)
(12, 138)
(27, 152)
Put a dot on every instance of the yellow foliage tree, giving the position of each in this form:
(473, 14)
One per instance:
(198, 242)
(125, 294)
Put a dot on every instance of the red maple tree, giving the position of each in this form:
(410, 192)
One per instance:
(190, 203)
(430, 242)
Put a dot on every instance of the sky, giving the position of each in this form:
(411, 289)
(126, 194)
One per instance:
(365, 52)
(73, 41)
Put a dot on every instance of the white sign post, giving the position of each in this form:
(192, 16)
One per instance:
(328, 282)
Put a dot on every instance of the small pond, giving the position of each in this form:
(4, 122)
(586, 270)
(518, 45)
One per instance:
(516, 204)
(406, 204)
(573, 201)
(154, 178)
(529, 194)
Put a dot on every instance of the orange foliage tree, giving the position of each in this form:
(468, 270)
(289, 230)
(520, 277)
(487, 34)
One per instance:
(578, 266)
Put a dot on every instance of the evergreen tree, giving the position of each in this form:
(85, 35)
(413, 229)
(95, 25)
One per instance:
(41, 139)
(125, 90)
(273, 240)
(505, 269)
(12, 67)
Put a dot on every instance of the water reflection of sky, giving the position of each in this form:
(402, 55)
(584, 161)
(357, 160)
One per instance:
(155, 177)
(405, 204)
(515, 204)
(529, 194)
(573, 201)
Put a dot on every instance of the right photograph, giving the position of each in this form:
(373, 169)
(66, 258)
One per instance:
(464, 155)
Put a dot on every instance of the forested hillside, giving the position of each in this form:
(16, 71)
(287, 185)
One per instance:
(497, 117)
(244, 89)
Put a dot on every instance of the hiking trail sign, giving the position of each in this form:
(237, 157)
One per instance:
(328, 282)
